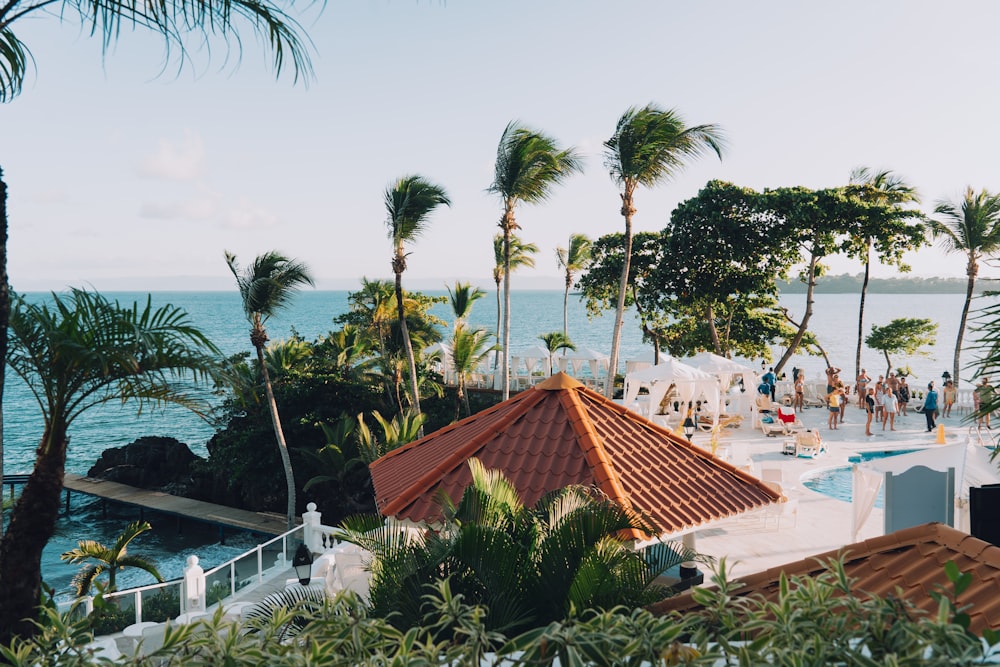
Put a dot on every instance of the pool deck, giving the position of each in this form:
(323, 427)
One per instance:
(821, 523)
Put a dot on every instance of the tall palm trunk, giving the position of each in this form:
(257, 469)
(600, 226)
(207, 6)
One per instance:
(861, 309)
(628, 210)
(32, 523)
(279, 434)
(569, 283)
(4, 311)
(804, 324)
(508, 226)
(496, 355)
(407, 344)
(972, 269)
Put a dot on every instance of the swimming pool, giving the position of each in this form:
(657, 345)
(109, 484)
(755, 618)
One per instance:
(838, 482)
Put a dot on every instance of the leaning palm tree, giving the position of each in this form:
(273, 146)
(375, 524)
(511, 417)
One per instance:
(109, 559)
(225, 21)
(266, 287)
(408, 204)
(528, 164)
(572, 259)
(462, 298)
(649, 146)
(469, 347)
(970, 227)
(555, 341)
(76, 352)
(521, 255)
(887, 189)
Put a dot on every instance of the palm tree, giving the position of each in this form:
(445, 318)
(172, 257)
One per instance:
(555, 341)
(971, 227)
(175, 21)
(469, 347)
(266, 287)
(528, 164)
(109, 559)
(409, 202)
(649, 146)
(521, 255)
(526, 566)
(462, 298)
(572, 259)
(888, 189)
(75, 352)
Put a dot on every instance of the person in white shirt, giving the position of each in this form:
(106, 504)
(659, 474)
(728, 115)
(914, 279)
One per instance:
(889, 408)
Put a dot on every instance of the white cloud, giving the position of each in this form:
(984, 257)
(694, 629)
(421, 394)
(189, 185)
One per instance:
(248, 216)
(176, 161)
(197, 208)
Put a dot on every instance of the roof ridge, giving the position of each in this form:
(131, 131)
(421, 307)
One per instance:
(597, 457)
(503, 405)
(463, 453)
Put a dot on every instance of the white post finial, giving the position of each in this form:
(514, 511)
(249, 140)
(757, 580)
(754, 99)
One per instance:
(193, 586)
(311, 533)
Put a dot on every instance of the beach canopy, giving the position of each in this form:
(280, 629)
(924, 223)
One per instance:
(720, 366)
(531, 356)
(575, 360)
(559, 433)
(689, 383)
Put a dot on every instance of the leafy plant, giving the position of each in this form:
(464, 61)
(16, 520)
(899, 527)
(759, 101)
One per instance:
(109, 559)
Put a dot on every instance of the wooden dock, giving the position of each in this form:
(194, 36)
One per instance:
(185, 508)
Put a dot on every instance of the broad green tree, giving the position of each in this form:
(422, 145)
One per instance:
(98, 559)
(266, 287)
(599, 283)
(528, 165)
(720, 258)
(180, 23)
(572, 259)
(903, 335)
(520, 255)
(649, 146)
(890, 236)
(970, 227)
(75, 352)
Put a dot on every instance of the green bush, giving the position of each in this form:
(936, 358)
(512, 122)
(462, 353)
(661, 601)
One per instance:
(161, 606)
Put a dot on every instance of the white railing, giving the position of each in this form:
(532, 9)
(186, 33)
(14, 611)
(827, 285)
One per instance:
(198, 589)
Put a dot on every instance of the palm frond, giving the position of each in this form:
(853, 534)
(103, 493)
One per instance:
(529, 163)
(14, 59)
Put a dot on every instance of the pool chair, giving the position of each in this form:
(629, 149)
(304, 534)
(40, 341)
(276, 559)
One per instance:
(808, 444)
(791, 421)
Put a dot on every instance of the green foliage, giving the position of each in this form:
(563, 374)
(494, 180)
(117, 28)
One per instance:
(528, 566)
(109, 560)
(902, 335)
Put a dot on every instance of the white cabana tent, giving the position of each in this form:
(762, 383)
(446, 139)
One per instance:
(724, 369)
(689, 382)
(637, 362)
(530, 356)
(575, 360)
(443, 352)
(868, 476)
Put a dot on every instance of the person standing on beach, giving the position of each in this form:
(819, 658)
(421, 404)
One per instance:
(800, 392)
(890, 406)
(832, 377)
(870, 409)
(833, 408)
(904, 396)
(772, 380)
(982, 395)
(862, 387)
(930, 406)
(844, 400)
(879, 396)
(949, 394)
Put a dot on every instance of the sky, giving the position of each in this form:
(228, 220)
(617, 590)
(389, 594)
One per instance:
(126, 173)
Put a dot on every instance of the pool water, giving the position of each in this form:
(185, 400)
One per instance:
(838, 482)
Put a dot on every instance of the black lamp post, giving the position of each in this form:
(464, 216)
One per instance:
(302, 563)
(688, 427)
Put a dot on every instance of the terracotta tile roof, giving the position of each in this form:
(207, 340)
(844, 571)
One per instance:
(560, 433)
(911, 560)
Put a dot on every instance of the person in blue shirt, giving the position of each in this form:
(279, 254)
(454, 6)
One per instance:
(771, 379)
(930, 406)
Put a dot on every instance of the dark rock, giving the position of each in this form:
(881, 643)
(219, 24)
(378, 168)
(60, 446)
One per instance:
(151, 462)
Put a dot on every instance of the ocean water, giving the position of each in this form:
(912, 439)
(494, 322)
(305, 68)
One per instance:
(311, 314)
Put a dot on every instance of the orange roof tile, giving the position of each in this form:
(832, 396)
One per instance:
(560, 433)
(911, 560)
